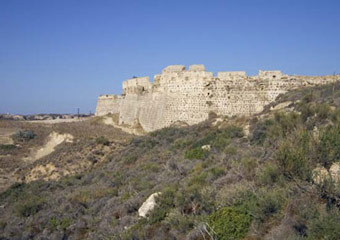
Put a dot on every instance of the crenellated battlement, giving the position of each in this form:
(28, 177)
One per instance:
(189, 95)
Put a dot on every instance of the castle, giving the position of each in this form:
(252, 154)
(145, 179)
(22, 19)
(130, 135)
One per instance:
(180, 95)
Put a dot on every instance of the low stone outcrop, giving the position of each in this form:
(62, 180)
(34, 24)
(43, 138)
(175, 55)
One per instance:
(281, 106)
(148, 205)
(320, 174)
(206, 148)
(334, 171)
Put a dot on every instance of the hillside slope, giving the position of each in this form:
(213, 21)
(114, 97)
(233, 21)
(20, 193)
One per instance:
(40, 150)
(264, 177)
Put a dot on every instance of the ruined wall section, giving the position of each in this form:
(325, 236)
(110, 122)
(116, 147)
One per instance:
(148, 110)
(235, 98)
(136, 85)
(185, 90)
(108, 104)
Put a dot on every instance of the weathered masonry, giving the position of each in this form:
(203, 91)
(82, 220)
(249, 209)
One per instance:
(190, 95)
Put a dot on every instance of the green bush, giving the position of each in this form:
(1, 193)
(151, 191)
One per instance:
(180, 143)
(307, 98)
(322, 110)
(335, 116)
(275, 129)
(136, 231)
(7, 147)
(166, 199)
(329, 147)
(205, 140)
(270, 174)
(221, 142)
(157, 214)
(195, 153)
(165, 202)
(287, 123)
(59, 224)
(219, 138)
(24, 191)
(216, 172)
(29, 207)
(292, 157)
(260, 131)
(307, 110)
(140, 184)
(3, 225)
(230, 150)
(23, 135)
(102, 141)
(169, 132)
(268, 204)
(150, 167)
(187, 200)
(198, 179)
(180, 222)
(249, 166)
(148, 143)
(13, 192)
(229, 223)
(232, 132)
(130, 158)
(326, 226)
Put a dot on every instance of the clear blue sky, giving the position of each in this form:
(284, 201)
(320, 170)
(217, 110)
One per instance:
(58, 55)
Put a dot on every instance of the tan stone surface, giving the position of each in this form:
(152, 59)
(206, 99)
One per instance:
(280, 106)
(206, 148)
(335, 171)
(319, 175)
(148, 205)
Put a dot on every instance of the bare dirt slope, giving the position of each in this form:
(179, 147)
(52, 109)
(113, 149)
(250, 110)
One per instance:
(55, 150)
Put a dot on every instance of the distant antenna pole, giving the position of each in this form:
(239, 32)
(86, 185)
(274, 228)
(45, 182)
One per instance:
(78, 109)
(333, 83)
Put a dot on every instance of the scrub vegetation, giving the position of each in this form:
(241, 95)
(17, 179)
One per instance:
(256, 185)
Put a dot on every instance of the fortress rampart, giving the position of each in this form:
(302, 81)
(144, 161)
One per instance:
(190, 95)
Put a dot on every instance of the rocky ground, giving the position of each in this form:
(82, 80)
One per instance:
(271, 176)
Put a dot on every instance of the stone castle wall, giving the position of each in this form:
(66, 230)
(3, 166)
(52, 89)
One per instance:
(108, 104)
(190, 95)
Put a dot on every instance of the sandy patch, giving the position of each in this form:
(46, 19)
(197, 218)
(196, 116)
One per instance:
(108, 120)
(5, 135)
(49, 171)
(59, 120)
(280, 106)
(54, 139)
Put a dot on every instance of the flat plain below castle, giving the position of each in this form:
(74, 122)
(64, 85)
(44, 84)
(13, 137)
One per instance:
(189, 96)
